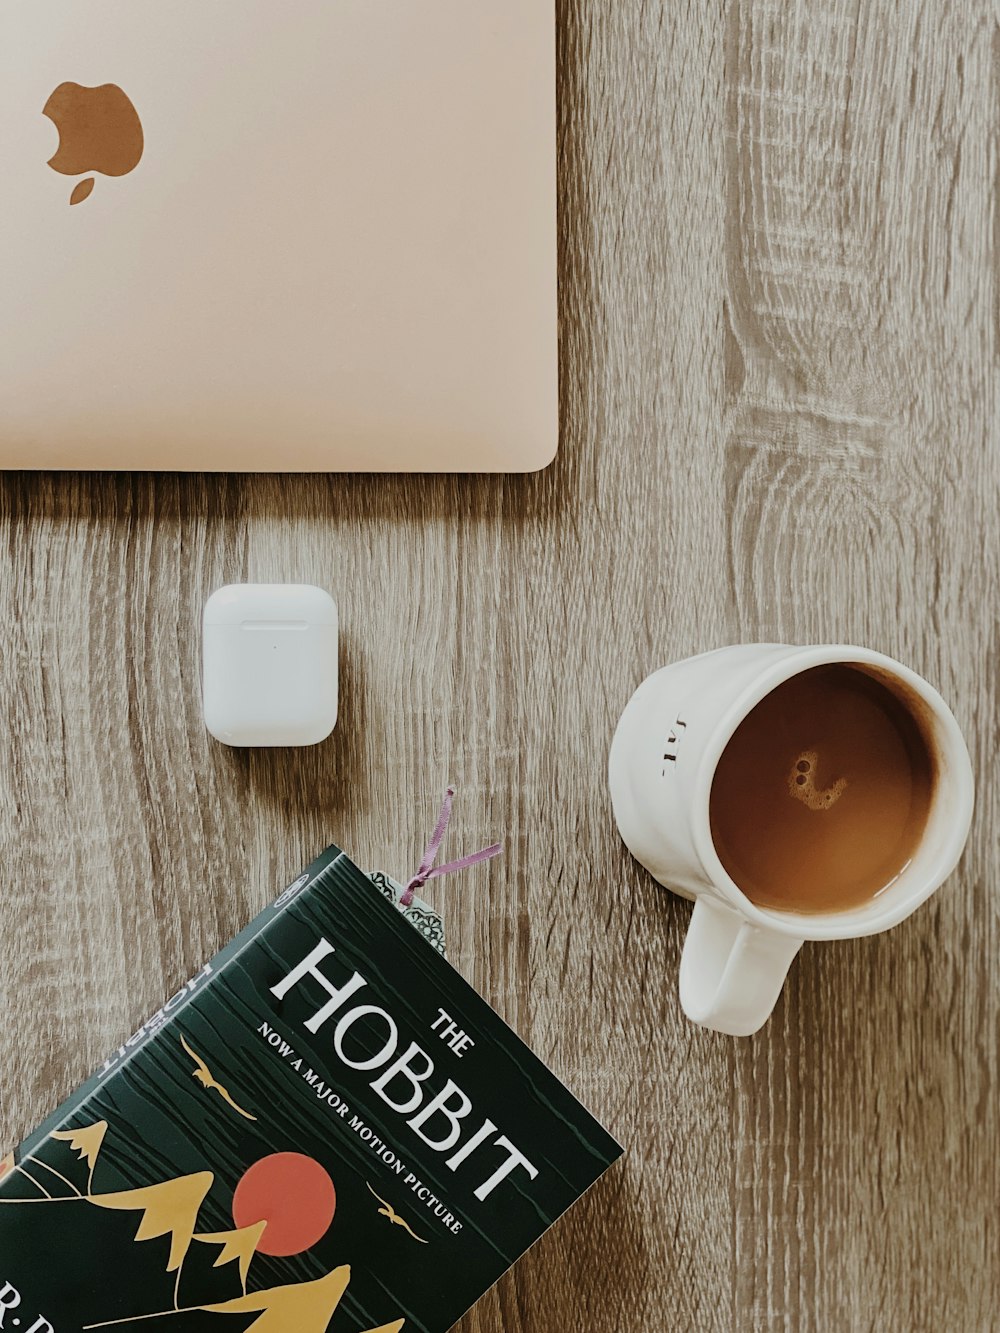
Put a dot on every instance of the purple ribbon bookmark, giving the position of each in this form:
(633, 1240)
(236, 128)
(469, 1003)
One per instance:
(428, 870)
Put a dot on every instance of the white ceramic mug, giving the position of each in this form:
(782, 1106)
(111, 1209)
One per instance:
(663, 760)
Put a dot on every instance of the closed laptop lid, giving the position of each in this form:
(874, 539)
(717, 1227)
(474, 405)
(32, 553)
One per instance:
(246, 236)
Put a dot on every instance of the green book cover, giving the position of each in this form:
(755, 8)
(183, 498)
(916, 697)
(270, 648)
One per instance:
(326, 1129)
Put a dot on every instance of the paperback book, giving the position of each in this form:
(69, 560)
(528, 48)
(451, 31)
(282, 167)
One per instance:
(326, 1131)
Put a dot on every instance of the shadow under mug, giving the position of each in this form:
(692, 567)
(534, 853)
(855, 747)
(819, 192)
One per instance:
(661, 768)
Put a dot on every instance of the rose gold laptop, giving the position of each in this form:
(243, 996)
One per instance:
(239, 235)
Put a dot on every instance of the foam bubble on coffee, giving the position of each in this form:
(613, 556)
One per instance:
(802, 783)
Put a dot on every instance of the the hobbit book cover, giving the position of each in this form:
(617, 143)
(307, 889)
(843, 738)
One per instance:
(326, 1129)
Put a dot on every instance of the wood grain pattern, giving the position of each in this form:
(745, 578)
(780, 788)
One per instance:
(780, 298)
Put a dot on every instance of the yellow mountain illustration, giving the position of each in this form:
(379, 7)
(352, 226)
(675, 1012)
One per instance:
(169, 1209)
(306, 1307)
(236, 1245)
(87, 1142)
(10, 1164)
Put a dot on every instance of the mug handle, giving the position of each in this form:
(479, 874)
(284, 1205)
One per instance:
(732, 971)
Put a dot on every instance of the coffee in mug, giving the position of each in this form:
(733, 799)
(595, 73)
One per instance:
(821, 797)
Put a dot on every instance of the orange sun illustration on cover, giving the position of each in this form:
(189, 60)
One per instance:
(293, 1196)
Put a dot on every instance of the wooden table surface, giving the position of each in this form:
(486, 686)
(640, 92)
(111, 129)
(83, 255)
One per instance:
(780, 338)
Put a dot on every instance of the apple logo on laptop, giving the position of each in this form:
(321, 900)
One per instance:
(99, 131)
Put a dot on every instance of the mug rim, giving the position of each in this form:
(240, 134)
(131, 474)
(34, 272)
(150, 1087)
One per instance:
(851, 923)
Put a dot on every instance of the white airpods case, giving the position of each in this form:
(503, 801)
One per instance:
(270, 664)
